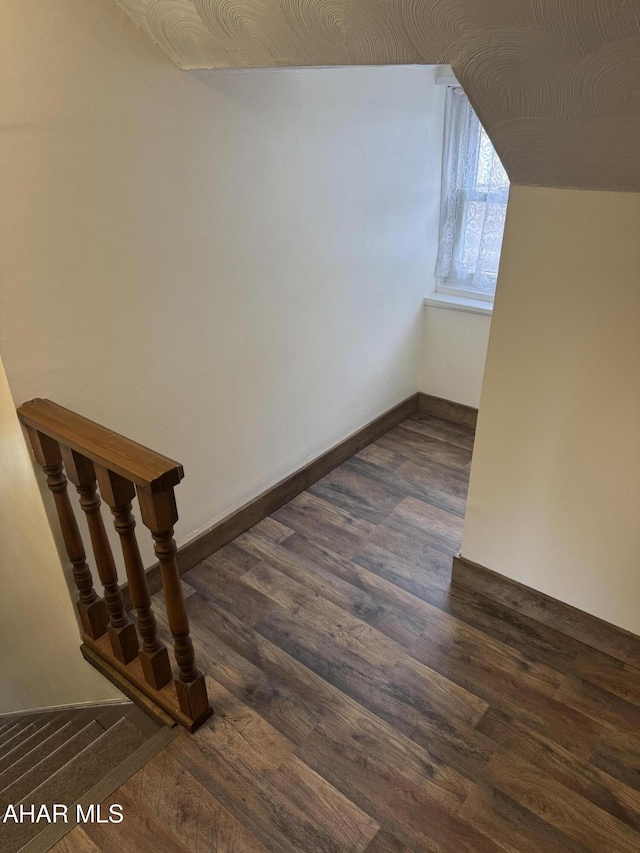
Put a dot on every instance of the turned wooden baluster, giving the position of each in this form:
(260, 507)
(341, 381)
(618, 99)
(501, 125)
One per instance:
(118, 493)
(121, 630)
(92, 610)
(159, 514)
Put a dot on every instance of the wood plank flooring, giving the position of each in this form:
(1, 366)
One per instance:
(364, 706)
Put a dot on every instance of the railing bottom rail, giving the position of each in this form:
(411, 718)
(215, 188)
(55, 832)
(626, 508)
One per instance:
(129, 678)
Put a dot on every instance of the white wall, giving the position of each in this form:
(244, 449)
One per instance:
(40, 661)
(225, 266)
(554, 499)
(453, 353)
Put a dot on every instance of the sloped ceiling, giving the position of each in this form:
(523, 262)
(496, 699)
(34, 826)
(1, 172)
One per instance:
(556, 83)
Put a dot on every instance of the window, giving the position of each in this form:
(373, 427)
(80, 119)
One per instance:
(475, 191)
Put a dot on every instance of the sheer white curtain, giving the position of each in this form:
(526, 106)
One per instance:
(475, 190)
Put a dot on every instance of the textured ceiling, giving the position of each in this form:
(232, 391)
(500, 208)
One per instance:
(556, 83)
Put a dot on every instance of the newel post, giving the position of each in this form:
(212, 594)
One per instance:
(159, 513)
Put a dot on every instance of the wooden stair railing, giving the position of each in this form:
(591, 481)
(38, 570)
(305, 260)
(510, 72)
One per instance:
(70, 447)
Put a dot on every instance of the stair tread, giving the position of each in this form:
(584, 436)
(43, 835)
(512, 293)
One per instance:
(76, 777)
(93, 763)
(32, 750)
(48, 766)
(15, 736)
(8, 733)
(39, 720)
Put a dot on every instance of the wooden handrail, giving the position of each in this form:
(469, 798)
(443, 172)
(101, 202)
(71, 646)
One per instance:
(106, 448)
(97, 458)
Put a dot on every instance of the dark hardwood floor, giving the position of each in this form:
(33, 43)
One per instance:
(361, 704)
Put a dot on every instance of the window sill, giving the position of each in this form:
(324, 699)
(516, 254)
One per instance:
(459, 303)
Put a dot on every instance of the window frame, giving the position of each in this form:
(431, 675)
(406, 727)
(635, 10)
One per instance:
(446, 289)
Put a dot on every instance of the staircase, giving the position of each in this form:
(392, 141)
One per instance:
(70, 757)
